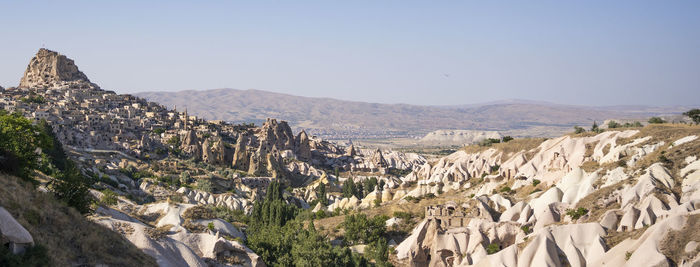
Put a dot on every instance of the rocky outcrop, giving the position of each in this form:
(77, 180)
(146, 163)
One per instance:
(190, 144)
(303, 149)
(12, 234)
(213, 151)
(240, 155)
(175, 241)
(350, 151)
(50, 69)
(276, 134)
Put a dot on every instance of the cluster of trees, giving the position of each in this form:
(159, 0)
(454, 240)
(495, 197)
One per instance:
(359, 229)
(279, 234)
(25, 147)
(491, 141)
(693, 114)
(361, 188)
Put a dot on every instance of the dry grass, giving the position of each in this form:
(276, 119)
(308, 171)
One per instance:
(68, 236)
(329, 224)
(673, 245)
(510, 147)
(592, 201)
(675, 155)
(158, 232)
(613, 237)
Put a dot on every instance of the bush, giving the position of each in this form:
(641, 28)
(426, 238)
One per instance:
(613, 125)
(507, 138)
(174, 141)
(505, 189)
(579, 130)
(32, 256)
(622, 163)
(405, 216)
(412, 199)
(210, 226)
(578, 213)
(525, 228)
(204, 185)
(489, 141)
(535, 182)
(656, 120)
(493, 248)
(109, 198)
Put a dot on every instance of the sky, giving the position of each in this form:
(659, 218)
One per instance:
(416, 52)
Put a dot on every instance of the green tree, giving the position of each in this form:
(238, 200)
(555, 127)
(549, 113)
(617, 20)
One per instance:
(73, 188)
(370, 184)
(349, 188)
(578, 130)
(321, 195)
(53, 148)
(595, 128)
(656, 120)
(693, 114)
(19, 142)
(378, 251)
(361, 230)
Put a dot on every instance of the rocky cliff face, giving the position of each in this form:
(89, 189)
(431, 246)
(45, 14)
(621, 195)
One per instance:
(49, 68)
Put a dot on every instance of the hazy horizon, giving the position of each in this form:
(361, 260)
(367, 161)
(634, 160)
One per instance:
(594, 53)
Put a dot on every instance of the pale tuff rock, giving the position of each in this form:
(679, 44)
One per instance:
(377, 160)
(49, 69)
(233, 202)
(644, 203)
(646, 250)
(13, 234)
(177, 246)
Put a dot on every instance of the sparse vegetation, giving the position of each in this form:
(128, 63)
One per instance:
(577, 213)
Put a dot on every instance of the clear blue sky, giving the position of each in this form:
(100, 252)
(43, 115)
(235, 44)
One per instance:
(590, 52)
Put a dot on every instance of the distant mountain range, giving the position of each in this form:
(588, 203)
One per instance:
(340, 119)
